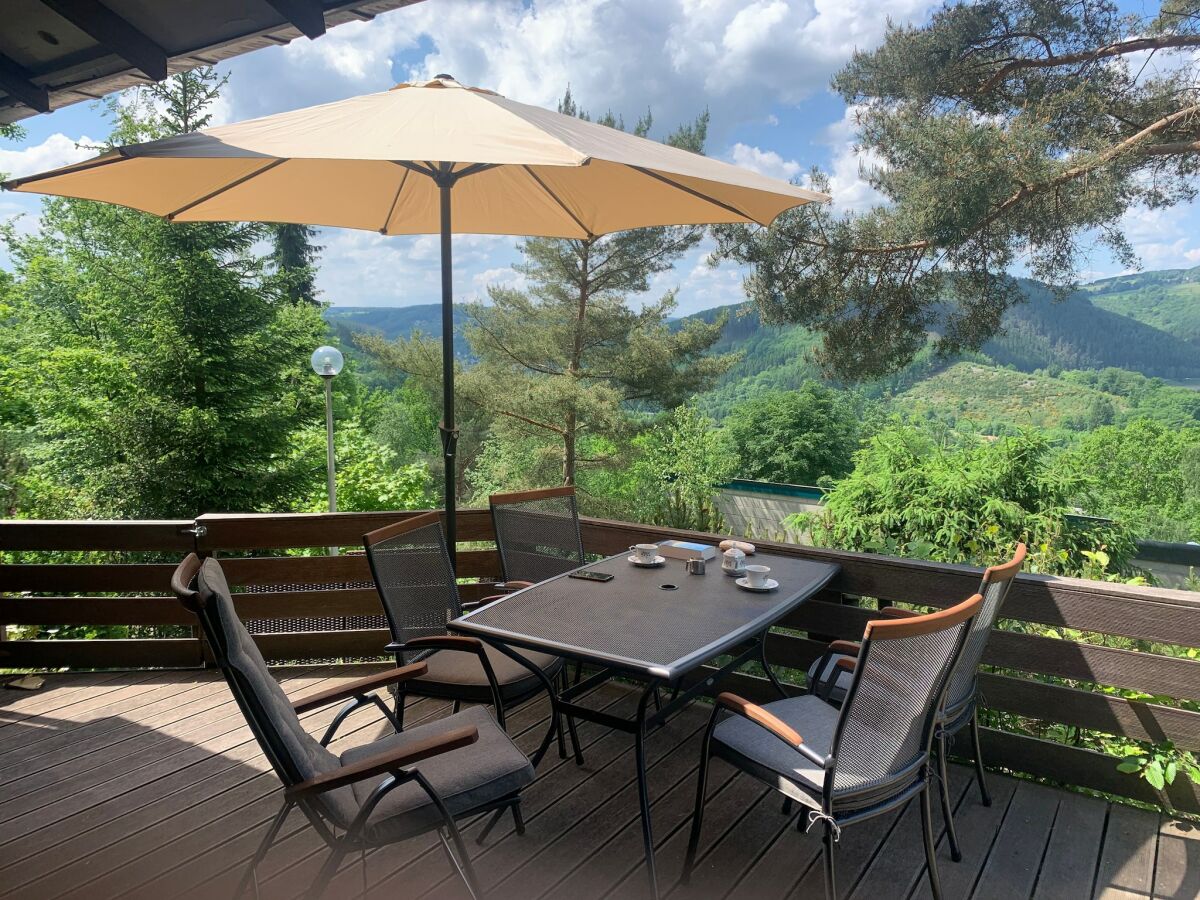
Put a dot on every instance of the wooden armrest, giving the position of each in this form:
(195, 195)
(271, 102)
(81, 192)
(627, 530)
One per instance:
(386, 762)
(359, 687)
(895, 612)
(849, 648)
(512, 585)
(760, 716)
(848, 665)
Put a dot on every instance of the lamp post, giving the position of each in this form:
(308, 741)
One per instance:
(327, 362)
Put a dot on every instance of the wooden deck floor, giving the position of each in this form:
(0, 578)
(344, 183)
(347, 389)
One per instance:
(149, 785)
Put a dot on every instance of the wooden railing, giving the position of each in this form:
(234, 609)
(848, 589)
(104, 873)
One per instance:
(292, 586)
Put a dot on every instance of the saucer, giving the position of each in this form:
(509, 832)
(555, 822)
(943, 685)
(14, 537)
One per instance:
(658, 561)
(769, 585)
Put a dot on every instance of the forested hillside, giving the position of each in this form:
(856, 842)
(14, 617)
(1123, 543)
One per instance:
(1167, 300)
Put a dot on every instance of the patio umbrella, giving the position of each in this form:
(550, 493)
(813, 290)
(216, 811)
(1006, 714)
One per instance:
(424, 158)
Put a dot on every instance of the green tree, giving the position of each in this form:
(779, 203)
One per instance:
(294, 257)
(795, 437)
(1144, 473)
(564, 359)
(968, 502)
(1000, 130)
(680, 464)
(163, 368)
(370, 476)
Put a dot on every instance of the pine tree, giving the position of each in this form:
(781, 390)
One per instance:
(566, 359)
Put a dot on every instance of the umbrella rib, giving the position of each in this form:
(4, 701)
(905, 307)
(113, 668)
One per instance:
(553, 196)
(395, 200)
(56, 173)
(695, 193)
(170, 217)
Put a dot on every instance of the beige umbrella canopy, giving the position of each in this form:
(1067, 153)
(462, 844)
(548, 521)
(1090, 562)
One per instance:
(433, 157)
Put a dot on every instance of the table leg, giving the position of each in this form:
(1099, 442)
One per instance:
(762, 655)
(643, 789)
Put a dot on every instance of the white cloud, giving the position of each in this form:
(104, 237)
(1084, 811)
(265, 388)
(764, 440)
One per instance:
(851, 190)
(56, 150)
(1164, 238)
(765, 162)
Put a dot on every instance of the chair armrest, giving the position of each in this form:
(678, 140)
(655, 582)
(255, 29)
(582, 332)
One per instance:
(385, 762)
(760, 716)
(359, 687)
(848, 665)
(849, 648)
(895, 612)
(507, 587)
(771, 723)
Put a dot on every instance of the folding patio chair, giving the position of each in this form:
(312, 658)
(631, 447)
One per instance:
(402, 785)
(869, 757)
(829, 679)
(416, 584)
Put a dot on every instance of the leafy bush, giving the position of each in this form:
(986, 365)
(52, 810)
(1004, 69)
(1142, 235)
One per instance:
(968, 501)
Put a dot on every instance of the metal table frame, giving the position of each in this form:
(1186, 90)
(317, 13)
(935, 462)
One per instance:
(562, 701)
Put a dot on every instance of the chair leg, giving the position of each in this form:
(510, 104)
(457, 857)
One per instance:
(398, 708)
(328, 870)
(264, 845)
(983, 791)
(944, 790)
(787, 806)
(518, 819)
(828, 844)
(935, 883)
(701, 790)
(457, 706)
(579, 671)
(491, 823)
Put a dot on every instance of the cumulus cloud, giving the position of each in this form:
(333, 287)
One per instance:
(765, 162)
(56, 150)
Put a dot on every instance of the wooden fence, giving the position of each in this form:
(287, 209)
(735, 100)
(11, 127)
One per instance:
(290, 587)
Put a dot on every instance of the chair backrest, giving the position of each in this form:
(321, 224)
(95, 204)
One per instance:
(415, 579)
(886, 723)
(537, 533)
(295, 755)
(994, 588)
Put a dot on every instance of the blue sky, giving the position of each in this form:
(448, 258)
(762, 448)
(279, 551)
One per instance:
(761, 68)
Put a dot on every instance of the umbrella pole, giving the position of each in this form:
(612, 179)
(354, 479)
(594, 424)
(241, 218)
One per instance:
(447, 427)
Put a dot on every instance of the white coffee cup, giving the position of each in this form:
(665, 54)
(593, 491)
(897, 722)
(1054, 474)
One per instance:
(645, 553)
(756, 576)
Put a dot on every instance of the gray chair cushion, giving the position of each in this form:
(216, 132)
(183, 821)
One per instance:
(473, 776)
(768, 758)
(269, 704)
(817, 680)
(460, 676)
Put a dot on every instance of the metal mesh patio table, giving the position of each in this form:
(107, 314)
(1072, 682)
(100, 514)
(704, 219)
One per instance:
(656, 625)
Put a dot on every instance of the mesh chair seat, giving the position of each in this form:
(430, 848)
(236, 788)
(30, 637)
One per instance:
(466, 779)
(460, 676)
(753, 748)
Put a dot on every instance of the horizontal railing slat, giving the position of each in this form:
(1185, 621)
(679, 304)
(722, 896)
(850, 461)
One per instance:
(122, 653)
(1154, 614)
(96, 534)
(272, 531)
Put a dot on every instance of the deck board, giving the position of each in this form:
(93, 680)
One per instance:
(149, 785)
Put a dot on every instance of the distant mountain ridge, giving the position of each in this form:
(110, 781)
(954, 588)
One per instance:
(1109, 323)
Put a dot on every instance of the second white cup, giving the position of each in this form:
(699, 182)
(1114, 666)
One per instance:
(756, 576)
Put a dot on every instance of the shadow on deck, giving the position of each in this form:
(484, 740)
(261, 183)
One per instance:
(149, 785)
